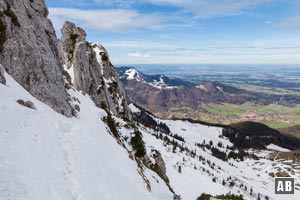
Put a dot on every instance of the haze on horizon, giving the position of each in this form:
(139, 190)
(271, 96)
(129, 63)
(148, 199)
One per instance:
(187, 32)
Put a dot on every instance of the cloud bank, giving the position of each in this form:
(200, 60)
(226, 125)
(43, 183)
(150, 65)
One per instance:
(111, 20)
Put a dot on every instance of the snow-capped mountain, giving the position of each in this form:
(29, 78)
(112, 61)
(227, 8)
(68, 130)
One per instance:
(67, 132)
(158, 81)
(132, 74)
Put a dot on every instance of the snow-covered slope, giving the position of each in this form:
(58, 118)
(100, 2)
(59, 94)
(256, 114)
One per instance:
(45, 155)
(193, 170)
(133, 74)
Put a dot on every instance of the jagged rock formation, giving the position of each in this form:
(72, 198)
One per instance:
(159, 166)
(28, 51)
(2, 78)
(91, 71)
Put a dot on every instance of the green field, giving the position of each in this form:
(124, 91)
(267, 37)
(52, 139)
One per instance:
(267, 90)
(273, 115)
(233, 109)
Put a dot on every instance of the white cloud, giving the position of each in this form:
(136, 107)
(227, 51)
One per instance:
(138, 55)
(272, 51)
(112, 20)
(213, 58)
(126, 17)
(139, 44)
(188, 15)
(125, 44)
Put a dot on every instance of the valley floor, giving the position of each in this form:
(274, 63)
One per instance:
(273, 115)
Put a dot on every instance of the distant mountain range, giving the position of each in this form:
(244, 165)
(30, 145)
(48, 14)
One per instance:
(159, 93)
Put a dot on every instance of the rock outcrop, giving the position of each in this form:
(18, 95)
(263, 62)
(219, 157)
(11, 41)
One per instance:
(27, 104)
(159, 166)
(2, 78)
(91, 71)
(28, 51)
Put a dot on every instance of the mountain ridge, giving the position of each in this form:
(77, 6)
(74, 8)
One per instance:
(210, 101)
(91, 71)
(180, 93)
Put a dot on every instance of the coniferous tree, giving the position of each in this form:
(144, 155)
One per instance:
(138, 144)
(223, 182)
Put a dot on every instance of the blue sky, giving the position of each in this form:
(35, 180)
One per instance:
(188, 31)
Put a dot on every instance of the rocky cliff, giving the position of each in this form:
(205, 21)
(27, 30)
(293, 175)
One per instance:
(2, 78)
(91, 71)
(28, 51)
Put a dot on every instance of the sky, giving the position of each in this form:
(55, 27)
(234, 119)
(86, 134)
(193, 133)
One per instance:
(187, 31)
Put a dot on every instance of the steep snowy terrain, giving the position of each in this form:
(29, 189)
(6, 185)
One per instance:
(45, 155)
(192, 169)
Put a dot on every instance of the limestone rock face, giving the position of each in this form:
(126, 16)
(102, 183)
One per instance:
(2, 78)
(91, 71)
(159, 166)
(28, 51)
